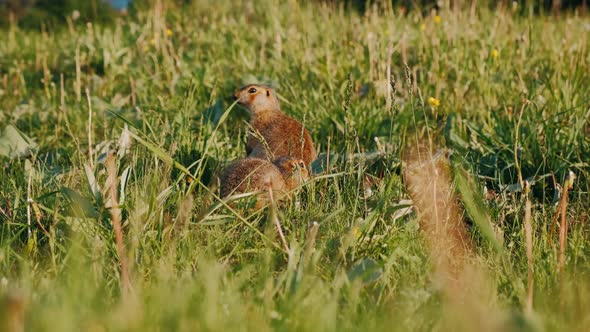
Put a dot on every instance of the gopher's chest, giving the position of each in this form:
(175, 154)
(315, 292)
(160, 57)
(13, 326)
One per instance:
(280, 132)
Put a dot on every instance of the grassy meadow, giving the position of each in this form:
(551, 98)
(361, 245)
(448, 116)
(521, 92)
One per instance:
(114, 134)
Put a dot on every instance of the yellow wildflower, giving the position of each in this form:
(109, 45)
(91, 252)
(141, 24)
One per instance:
(153, 41)
(437, 19)
(422, 26)
(168, 32)
(495, 53)
(433, 102)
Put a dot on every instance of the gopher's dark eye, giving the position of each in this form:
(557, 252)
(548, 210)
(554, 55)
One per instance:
(252, 90)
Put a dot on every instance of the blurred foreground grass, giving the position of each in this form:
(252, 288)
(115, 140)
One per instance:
(489, 87)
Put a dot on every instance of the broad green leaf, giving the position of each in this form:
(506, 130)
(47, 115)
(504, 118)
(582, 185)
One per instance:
(475, 209)
(79, 206)
(92, 183)
(15, 144)
(165, 157)
(366, 270)
(322, 164)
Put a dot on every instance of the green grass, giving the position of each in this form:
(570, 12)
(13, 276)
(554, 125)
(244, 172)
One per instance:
(168, 74)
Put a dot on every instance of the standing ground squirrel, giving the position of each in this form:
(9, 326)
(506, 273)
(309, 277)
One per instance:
(253, 174)
(284, 135)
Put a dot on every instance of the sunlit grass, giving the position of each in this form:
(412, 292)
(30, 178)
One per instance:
(493, 93)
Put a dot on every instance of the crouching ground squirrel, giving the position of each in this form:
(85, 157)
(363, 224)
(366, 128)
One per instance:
(283, 135)
(253, 174)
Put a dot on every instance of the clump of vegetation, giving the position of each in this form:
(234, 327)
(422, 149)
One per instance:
(51, 14)
(111, 137)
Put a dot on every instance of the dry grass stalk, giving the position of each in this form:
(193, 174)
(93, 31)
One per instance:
(275, 219)
(90, 149)
(467, 292)
(562, 231)
(38, 217)
(560, 214)
(112, 185)
(29, 202)
(556, 215)
(312, 234)
(389, 95)
(78, 83)
(567, 186)
(528, 232)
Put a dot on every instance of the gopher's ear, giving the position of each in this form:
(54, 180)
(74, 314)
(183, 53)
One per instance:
(267, 93)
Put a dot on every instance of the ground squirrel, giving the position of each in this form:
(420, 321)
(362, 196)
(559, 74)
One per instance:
(12, 311)
(283, 134)
(253, 174)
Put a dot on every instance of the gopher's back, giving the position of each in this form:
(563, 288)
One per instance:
(283, 135)
(250, 174)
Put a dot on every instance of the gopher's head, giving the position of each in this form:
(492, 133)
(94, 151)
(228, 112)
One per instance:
(292, 169)
(257, 98)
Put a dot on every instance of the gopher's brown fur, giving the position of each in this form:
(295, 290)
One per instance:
(283, 135)
(293, 171)
(252, 174)
(12, 311)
